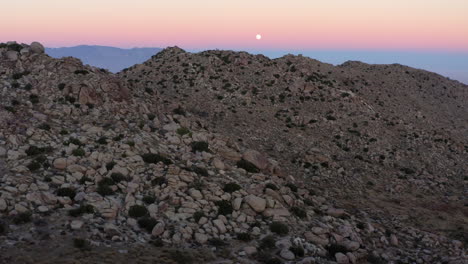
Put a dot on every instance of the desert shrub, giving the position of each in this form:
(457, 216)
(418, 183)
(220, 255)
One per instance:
(110, 165)
(81, 244)
(118, 137)
(267, 242)
(198, 215)
(279, 228)
(408, 170)
(63, 132)
(104, 188)
(61, 86)
(271, 186)
(155, 158)
(248, 166)
(224, 207)
(200, 171)
(83, 209)
(200, 146)
(217, 242)
(159, 181)
(79, 152)
(2, 228)
(157, 242)
(330, 117)
(118, 177)
(182, 257)
(298, 251)
(197, 184)
(231, 187)
(151, 117)
(44, 126)
(291, 186)
(147, 223)
(183, 131)
(15, 47)
(33, 150)
(73, 141)
(335, 248)
(83, 72)
(299, 212)
(267, 258)
(102, 140)
(375, 259)
(34, 166)
(34, 99)
(22, 218)
(136, 211)
(66, 192)
(149, 199)
(244, 236)
(179, 111)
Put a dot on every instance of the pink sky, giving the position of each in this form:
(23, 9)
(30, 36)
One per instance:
(436, 25)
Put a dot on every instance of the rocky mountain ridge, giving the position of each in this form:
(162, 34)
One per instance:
(240, 157)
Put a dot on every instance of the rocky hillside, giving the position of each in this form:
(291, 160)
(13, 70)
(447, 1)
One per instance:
(223, 157)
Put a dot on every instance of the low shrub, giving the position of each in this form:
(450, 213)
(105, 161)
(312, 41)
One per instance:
(268, 242)
(102, 141)
(248, 166)
(79, 152)
(110, 165)
(298, 251)
(147, 223)
(182, 257)
(200, 146)
(155, 158)
(82, 244)
(22, 218)
(33, 166)
(118, 177)
(159, 181)
(271, 186)
(291, 186)
(335, 248)
(244, 236)
(183, 131)
(83, 209)
(149, 199)
(224, 207)
(66, 192)
(299, 212)
(198, 215)
(231, 187)
(137, 211)
(279, 228)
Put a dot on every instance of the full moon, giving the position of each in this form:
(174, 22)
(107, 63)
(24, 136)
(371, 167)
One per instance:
(259, 37)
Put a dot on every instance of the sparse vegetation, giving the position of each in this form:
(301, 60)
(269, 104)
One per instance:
(155, 158)
(224, 207)
(137, 211)
(248, 166)
(231, 187)
(279, 228)
(200, 146)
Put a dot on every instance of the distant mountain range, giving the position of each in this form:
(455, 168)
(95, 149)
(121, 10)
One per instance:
(111, 58)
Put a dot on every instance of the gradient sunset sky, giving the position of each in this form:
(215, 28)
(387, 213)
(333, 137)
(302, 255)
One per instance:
(428, 34)
(429, 25)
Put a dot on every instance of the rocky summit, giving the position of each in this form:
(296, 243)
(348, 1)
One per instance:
(228, 157)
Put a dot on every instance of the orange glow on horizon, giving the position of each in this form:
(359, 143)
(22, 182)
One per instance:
(296, 24)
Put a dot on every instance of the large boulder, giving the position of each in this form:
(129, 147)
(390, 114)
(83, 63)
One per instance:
(256, 158)
(36, 47)
(11, 55)
(258, 204)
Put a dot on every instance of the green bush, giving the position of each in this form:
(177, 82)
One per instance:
(147, 223)
(82, 244)
(231, 187)
(155, 158)
(83, 209)
(149, 199)
(104, 188)
(179, 111)
(22, 218)
(15, 47)
(137, 211)
(244, 236)
(200, 146)
(268, 242)
(224, 207)
(118, 177)
(102, 140)
(298, 251)
(110, 165)
(34, 99)
(61, 86)
(279, 228)
(299, 212)
(159, 181)
(44, 126)
(335, 248)
(291, 186)
(33, 150)
(83, 72)
(151, 117)
(248, 166)
(66, 192)
(79, 152)
(34, 166)
(2, 228)
(271, 186)
(198, 215)
(183, 131)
